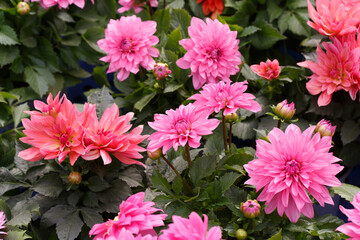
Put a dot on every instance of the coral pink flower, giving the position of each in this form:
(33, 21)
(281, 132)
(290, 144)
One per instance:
(61, 3)
(333, 71)
(215, 97)
(135, 4)
(193, 228)
(268, 70)
(55, 132)
(352, 228)
(135, 216)
(108, 136)
(128, 43)
(2, 223)
(331, 18)
(182, 126)
(216, 7)
(291, 165)
(213, 53)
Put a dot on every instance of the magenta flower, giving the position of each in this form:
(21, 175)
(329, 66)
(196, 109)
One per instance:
(128, 43)
(284, 110)
(212, 52)
(352, 228)
(2, 223)
(193, 228)
(291, 165)
(332, 18)
(61, 3)
(250, 209)
(109, 136)
(179, 127)
(215, 97)
(268, 70)
(135, 216)
(325, 128)
(135, 4)
(161, 71)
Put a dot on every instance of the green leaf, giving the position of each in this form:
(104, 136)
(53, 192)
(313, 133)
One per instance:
(132, 177)
(18, 113)
(7, 186)
(180, 18)
(72, 40)
(202, 167)
(17, 66)
(4, 207)
(171, 59)
(69, 227)
(228, 180)
(50, 185)
(39, 78)
(90, 200)
(248, 73)
(173, 40)
(350, 153)
(99, 75)
(294, 4)
(273, 10)
(17, 235)
(276, 236)
(8, 36)
(103, 100)
(249, 30)
(177, 185)
(213, 145)
(139, 105)
(65, 17)
(8, 54)
(298, 25)
(283, 22)
(266, 37)
(27, 37)
(48, 55)
(172, 87)
(346, 191)
(245, 129)
(196, 9)
(92, 35)
(176, 4)
(349, 131)
(69, 58)
(107, 8)
(55, 214)
(162, 19)
(96, 184)
(160, 183)
(22, 213)
(91, 216)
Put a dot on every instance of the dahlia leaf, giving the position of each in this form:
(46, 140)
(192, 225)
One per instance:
(72, 40)
(65, 17)
(274, 10)
(103, 100)
(177, 185)
(37, 82)
(349, 131)
(173, 40)
(228, 180)
(298, 25)
(91, 216)
(92, 35)
(161, 183)
(295, 4)
(8, 54)
(107, 8)
(180, 18)
(176, 4)
(8, 36)
(50, 185)
(22, 213)
(132, 177)
(90, 200)
(18, 113)
(244, 129)
(99, 75)
(111, 197)
(139, 105)
(283, 22)
(346, 191)
(55, 214)
(69, 227)
(172, 87)
(276, 236)
(27, 37)
(202, 167)
(17, 235)
(197, 9)
(248, 31)
(171, 58)
(48, 55)
(162, 18)
(96, 184)
(267, 37)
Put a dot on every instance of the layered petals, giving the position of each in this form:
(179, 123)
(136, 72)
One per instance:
(268, 70)
(352, 227)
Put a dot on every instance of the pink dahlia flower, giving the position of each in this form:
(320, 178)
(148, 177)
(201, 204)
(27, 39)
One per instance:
(61, 3)
(2, 223)
(55, 132)
(193, 228)
(179, 127)
(333, 18)
(215, 97)
(291, 165)
(109, 136)
(128, 43)
(135, 4)
(352, 228)
(333, 71)
(212, 52)
(268, 70)
(135, 216)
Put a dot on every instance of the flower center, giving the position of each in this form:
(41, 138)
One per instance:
(182, 125)
(333, 73)
(64, 140)
(215, 53)
(292, 167)
(126, 45)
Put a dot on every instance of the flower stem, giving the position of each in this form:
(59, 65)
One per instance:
(187, 149)
(279, 124)
(224, 130)
(178, 174)
(150, 9)
(230, 136)
(164, 4)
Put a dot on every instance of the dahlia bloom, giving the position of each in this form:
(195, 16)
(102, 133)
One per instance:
(182, 126)
(325, 128)
(215, 97)
(193, 228)
(135, 216)
(54, 132)
(128, 43)
(333, 71)
(268, 70)
(333, 18)
(135, 4)
(109, 136)
(291, 165)
(216, 7)
(250, 209)
(61, 3)
(212, 52)
(2, 223)
(352, 228)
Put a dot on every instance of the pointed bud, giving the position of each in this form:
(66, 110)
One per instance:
(241, 234)
(23, 8)
(250, 209)
(231, 117)
(325, 128)
(155, 155)
(74, 178)
(285, 111)
(161, 70)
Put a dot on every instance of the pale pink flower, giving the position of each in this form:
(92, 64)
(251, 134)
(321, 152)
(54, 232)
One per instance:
(325, 128)
(268, 70)
(289, 166)
(2, 223)
(61, 3)
(110, 136)
(128, 43)
(215, 97)
(333, 71)
(135, 4)
(352, 228)
(212, 52)
(136, 217)
(193, 228)
(55, 132)
(179, 127)
(332, 18)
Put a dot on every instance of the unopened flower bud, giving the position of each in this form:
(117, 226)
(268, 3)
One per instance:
(241, 234)
(155, 154)
(231, 117)
(74, 178)
(284, 110)
(23, 8)
(250, 209)
(161, 70)
(325, 128)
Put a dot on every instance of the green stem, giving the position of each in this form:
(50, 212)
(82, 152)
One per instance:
(279, 124)
(178, 174)
(230, 136)
(187, 149)
(150, 9)
(224, 130)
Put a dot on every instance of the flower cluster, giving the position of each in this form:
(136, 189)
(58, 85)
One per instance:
(61, 3)
(268, 70)
(291, 165)
(57, 129)
(352, 228)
